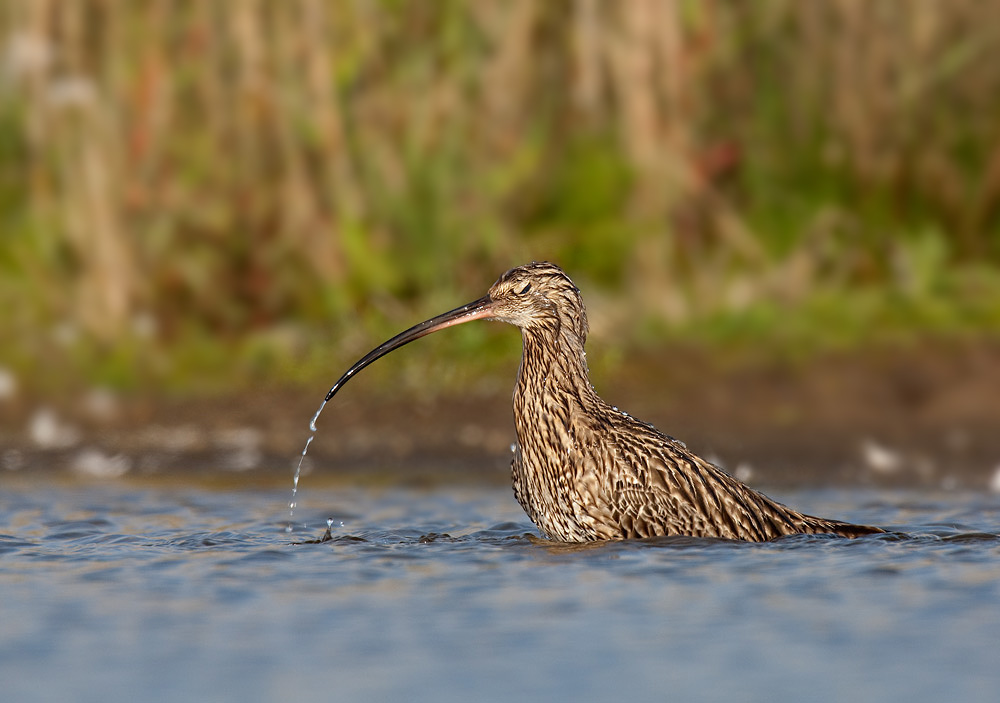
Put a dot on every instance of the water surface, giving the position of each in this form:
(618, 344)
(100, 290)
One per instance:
(126, 591)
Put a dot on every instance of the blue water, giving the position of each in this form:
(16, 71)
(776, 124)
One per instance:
(125, 591)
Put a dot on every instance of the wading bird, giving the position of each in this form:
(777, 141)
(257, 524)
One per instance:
(582, 469)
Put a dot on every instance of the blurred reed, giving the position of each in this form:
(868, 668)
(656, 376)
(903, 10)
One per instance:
(172, 167)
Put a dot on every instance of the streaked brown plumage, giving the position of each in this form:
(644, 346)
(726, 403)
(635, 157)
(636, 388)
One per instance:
(583, 470)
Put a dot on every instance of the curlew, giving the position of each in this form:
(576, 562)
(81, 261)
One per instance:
(582, 469)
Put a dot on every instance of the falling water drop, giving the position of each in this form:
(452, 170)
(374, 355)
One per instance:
(312, 423)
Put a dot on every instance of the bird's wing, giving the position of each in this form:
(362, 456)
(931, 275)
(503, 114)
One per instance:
(663, 488)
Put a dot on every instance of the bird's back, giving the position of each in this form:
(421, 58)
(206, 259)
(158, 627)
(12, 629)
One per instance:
(618, 478)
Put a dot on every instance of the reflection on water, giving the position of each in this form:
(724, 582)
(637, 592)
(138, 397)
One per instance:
(109, 592)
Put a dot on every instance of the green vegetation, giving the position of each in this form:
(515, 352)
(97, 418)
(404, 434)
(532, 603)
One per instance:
(250, 192)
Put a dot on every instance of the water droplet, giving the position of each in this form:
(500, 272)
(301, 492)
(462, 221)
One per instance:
(329, 523)
(312, 423)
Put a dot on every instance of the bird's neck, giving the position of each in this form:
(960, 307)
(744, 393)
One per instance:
(553, 371)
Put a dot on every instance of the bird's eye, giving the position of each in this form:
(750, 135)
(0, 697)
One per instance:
(525, 289)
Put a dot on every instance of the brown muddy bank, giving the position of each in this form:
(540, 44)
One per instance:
(923, 415)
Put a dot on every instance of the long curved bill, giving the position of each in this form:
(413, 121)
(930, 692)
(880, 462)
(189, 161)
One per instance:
(476, 310)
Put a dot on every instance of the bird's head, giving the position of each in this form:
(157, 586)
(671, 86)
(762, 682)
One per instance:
(539, 297)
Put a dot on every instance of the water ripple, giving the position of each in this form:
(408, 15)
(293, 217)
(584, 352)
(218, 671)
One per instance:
(440, 595)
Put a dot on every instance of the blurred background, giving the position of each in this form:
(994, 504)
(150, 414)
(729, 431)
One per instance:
(784, 217)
